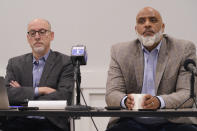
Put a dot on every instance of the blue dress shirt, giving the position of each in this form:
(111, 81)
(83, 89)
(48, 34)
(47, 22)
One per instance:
(150, 64)
(38, 67)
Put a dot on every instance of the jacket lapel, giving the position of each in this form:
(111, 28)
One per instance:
(139, 65)
(28, 67)
(47, 68)
(161, 63)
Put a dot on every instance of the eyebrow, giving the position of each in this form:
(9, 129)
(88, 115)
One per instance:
(149, 17)
(39, 29)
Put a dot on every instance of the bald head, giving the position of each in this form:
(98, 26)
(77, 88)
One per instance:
(148, 11)
(149, 22)
(38, 21)
(39, 36)
(149, 27)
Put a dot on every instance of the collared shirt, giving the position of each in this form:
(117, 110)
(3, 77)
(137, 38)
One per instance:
(38, 66)
(150, 64)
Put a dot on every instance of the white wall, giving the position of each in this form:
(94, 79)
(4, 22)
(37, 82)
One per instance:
(95, 23)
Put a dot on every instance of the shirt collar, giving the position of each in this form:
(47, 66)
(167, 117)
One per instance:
(42, 58)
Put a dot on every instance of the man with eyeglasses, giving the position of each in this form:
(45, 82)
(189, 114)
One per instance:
(41, 75)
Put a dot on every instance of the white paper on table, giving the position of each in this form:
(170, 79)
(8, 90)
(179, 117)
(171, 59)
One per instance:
(52, 104)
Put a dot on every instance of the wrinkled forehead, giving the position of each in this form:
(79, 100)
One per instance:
(147, 13)
(38, 24)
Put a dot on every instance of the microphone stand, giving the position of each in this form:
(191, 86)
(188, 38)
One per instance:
(192, 95)
(77, 78)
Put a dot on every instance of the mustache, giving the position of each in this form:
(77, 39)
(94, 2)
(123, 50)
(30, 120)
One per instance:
(37, 42)
(148, 30)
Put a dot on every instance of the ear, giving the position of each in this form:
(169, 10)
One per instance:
(136, 30)
(28, 37)
(52, 36)
(163, 27)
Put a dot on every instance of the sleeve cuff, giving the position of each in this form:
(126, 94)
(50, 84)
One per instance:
(161, 101)
(122, 103)
(36, 91)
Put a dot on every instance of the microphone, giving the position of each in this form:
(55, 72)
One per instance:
(190, 66)
(79, 55)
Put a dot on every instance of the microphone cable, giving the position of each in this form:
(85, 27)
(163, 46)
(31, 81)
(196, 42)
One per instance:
(88, 109)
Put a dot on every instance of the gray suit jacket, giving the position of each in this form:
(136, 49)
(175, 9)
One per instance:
(172, 82)
(57, 74)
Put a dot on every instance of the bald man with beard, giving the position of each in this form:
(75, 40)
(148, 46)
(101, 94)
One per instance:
(151, 65)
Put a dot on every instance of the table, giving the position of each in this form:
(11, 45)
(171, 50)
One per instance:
(101, 112)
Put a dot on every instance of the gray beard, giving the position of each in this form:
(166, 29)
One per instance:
(39, 50)
(150, 40)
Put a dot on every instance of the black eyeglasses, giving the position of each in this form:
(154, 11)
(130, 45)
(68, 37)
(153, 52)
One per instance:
(41, 32)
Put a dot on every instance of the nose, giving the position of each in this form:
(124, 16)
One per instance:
(37, 35)
(147, 24)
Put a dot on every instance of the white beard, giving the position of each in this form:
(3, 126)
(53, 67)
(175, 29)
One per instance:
(150, 40)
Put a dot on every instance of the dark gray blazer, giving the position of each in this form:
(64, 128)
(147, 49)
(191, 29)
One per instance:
(172, 81)
(57, 74)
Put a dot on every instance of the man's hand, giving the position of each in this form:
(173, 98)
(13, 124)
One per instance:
(45, 90)
(151, 102)
(14, 84)
(130, 101)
